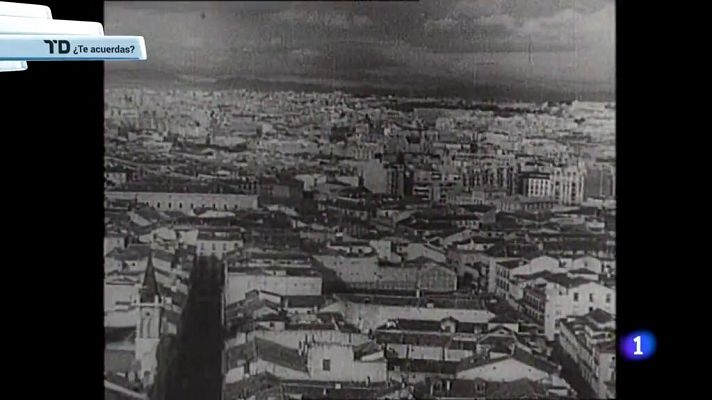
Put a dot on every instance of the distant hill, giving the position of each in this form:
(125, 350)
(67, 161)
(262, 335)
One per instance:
(533, 92)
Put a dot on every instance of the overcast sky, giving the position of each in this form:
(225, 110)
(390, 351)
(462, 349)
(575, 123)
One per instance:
(461, 43)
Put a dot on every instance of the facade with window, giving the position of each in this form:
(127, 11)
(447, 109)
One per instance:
(218, 243)
(536, 184)
(502, 276)
(179, 201)
(551, 297)
(534, 302)
(568, 185)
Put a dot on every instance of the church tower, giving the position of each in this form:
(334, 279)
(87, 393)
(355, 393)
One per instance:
(149, 323)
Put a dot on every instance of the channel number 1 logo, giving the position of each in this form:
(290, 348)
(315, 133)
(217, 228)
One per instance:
(638, 345)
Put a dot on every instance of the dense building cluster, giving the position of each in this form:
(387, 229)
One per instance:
(369, 247)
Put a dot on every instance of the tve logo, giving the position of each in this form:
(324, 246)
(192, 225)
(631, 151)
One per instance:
(62, 46)
(639, 345)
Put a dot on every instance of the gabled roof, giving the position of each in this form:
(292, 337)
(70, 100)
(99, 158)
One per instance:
(134, 252)
(600, 316)
(498, 342)
(511, 264)
(519, 354)
(345, 390)
(366, 349)
(519, 389)
(424, 366)
(582, 271)
(531, 360)
(261, 349)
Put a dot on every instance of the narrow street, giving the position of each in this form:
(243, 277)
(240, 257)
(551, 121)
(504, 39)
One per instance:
(571, 374)
(196, 374)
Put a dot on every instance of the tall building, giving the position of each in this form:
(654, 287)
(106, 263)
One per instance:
(536, 184)
(568, 184)
(494, 174)
(396, 180)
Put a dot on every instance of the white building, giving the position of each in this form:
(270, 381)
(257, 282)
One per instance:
(519, 365)
(549, 297)
(282, 281)
(313, 361)
(218, 243)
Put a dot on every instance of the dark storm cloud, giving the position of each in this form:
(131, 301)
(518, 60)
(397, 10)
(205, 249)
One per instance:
(379, 42)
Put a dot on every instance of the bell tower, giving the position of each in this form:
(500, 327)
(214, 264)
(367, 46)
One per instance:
(149, 323)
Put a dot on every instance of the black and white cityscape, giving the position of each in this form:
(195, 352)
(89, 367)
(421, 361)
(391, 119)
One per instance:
(361, 200)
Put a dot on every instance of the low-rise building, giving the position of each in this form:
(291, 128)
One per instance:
(218, 243)
(589, 340)
(548, 298)
(368, 312)
(268, 386)
(368, 272)
(331, 362)
(466, 389)
(183, 197)
(521, 364)
(280, 280)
